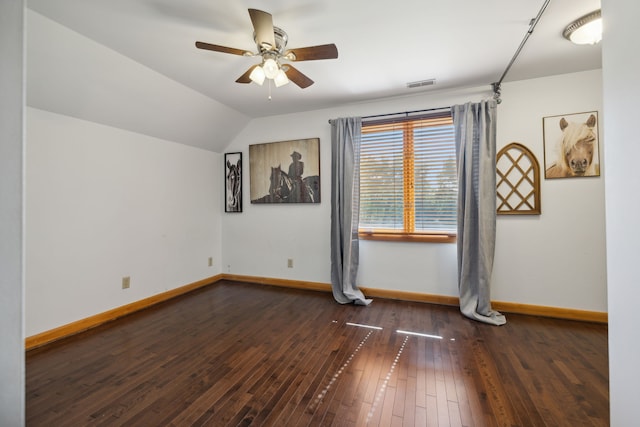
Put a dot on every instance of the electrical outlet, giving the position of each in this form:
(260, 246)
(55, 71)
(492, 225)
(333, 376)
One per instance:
(126, 282)
(290, 263)
(210, 261)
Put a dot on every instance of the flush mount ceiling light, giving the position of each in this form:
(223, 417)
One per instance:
(586, 29)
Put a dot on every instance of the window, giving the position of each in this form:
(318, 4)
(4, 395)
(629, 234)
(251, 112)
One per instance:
(408, 179)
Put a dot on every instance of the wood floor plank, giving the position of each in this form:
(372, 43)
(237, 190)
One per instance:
(432, 411)
(421, 374)
(374, 370)
(242, 354)
(400, 398)
(409, 417)
(386, 407)
(432, 374)
(420, 416)
(442, 404)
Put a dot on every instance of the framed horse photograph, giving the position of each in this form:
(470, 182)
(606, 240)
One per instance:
(285, 172)
(571, 145)
(233, 182)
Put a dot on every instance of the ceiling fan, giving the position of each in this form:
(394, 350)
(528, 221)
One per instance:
(271, 43)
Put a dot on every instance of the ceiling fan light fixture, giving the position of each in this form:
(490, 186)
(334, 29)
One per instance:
(271, 68)
(271, 43)
(281, 78)
(586, 29)
(257, 75)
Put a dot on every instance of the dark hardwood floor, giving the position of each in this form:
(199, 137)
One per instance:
(243, 354)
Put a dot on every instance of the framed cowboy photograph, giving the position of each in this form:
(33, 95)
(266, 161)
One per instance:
(233, 182)
(285, 172)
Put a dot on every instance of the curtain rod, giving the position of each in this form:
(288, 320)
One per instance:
(532, 26)
(406, 113)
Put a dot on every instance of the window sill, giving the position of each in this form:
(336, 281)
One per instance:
(400, 237)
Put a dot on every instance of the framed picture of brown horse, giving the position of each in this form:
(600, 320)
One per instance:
(571, 145)
(285, 172)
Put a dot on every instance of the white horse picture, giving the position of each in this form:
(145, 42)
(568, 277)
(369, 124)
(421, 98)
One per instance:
(571, 145)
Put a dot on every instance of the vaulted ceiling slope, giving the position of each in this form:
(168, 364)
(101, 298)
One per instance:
(134, 64)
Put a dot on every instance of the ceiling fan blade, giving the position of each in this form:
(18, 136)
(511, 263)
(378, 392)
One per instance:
(245, 77)
(312, 53)
(297, 77)
(263, 27)
(223, 49)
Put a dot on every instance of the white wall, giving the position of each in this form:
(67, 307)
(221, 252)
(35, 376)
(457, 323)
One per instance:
(11, 213)
(557, 259)
(533, 264)
(621, 68)
(103, 203)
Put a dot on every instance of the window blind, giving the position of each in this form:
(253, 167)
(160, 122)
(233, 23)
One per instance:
(408, 179)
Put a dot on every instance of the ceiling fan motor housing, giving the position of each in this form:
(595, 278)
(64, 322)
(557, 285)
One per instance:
(281, 39)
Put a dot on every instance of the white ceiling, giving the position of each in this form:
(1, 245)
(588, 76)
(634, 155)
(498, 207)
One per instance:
(382, 45)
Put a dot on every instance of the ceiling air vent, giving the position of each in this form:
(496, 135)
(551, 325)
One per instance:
(413, 85)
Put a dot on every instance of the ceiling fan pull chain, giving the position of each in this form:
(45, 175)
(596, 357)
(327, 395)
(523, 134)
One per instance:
(269, 89)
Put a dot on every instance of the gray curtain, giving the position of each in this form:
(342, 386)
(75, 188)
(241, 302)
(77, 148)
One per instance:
(345, 199)
(475, 133)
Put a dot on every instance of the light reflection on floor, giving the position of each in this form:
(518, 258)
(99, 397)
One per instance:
(381, 390)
